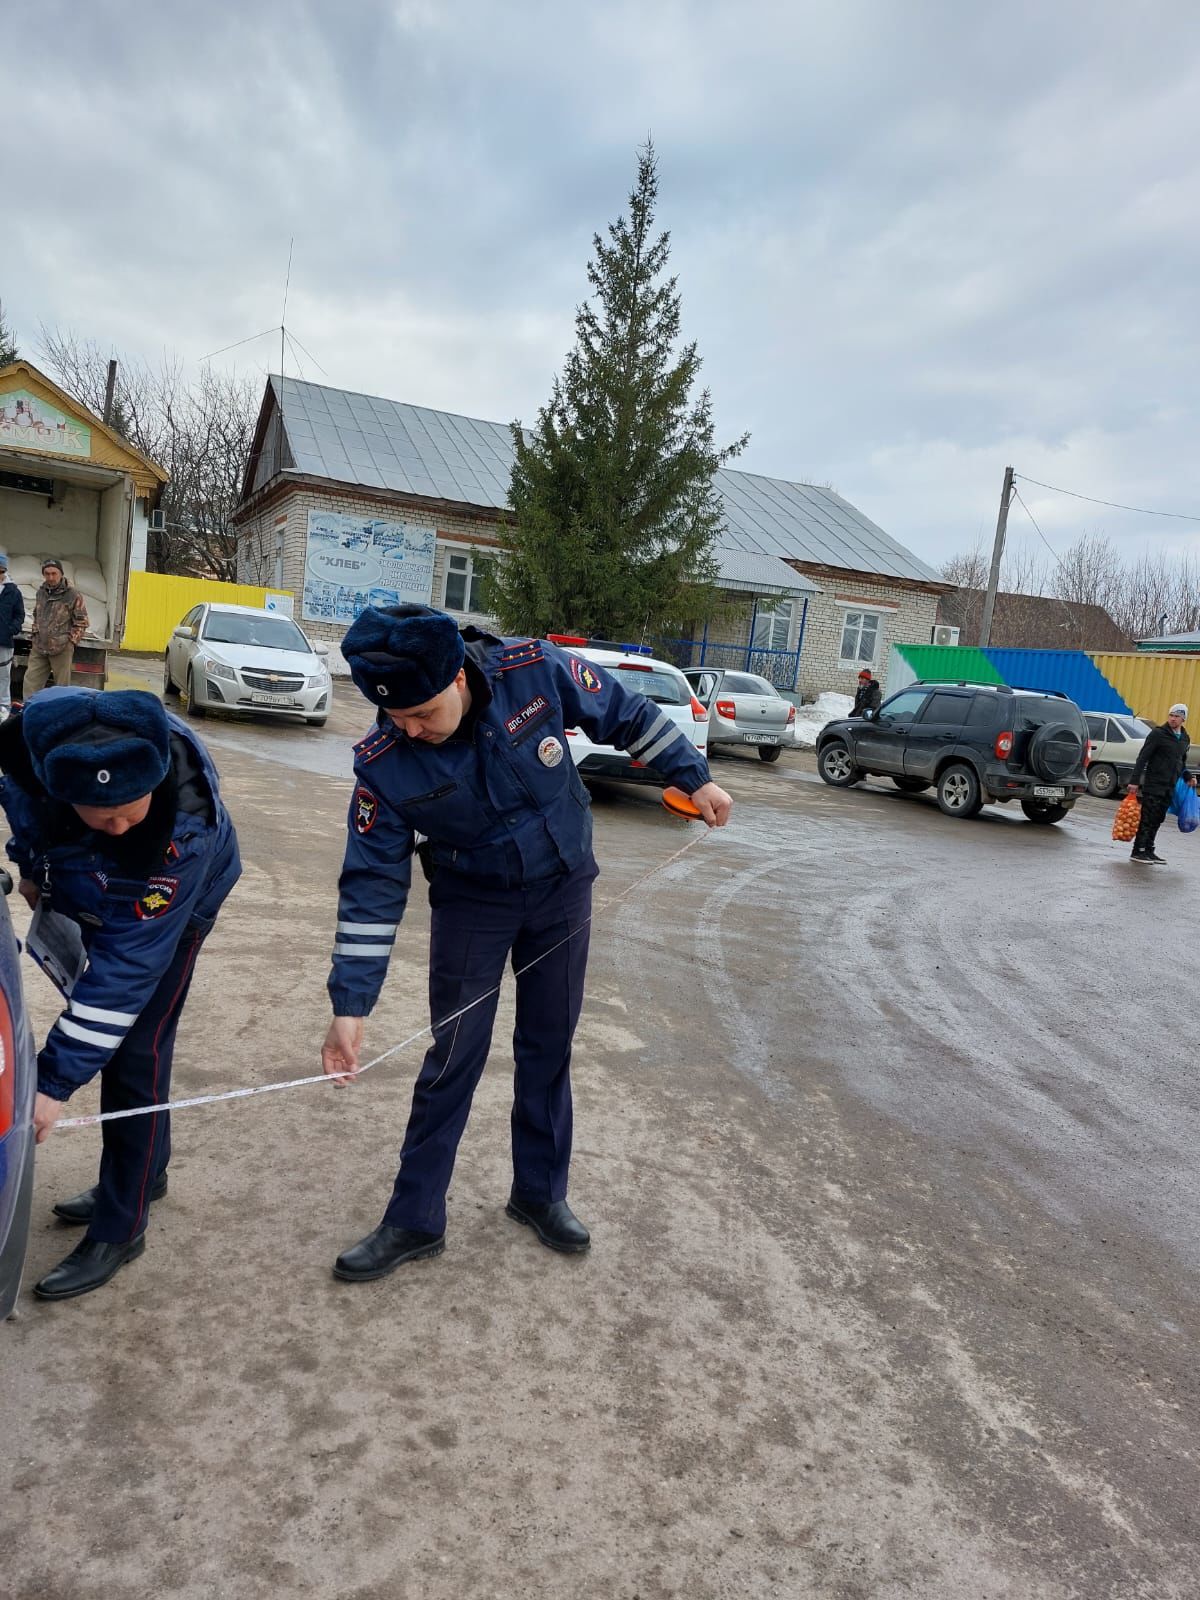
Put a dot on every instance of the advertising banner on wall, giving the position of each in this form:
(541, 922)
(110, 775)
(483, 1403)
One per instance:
(353, 562)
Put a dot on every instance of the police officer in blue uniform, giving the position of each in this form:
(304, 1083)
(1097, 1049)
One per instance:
(118, 824)
(469, 753)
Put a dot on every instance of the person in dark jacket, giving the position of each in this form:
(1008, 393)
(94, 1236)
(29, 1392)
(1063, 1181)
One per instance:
(470, 750)
(1159, 766)
(868, 694)
(12, 620)
(117, 825)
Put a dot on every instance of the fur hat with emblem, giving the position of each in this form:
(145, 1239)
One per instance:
(90, 747)
(401, 656)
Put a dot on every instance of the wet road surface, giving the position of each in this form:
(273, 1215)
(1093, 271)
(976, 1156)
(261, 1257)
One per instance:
(886, 1130)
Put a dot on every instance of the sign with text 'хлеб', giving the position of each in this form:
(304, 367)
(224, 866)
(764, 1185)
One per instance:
(351, 563)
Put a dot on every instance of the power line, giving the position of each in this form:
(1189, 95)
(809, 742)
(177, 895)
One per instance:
(1145, 511)
(1071, 617)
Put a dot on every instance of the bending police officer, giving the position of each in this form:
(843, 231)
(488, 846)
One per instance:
(118, 824)
(469, 750)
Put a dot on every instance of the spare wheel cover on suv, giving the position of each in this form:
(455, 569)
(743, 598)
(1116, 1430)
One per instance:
(1056, 751)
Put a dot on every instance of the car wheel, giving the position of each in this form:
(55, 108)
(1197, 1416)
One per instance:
(1046, 811)
(769, 752)
(958, 791)
(316, 722)
(169, 688)
(911, 785)
(1102, 780)
(189, 697)
(836, 767)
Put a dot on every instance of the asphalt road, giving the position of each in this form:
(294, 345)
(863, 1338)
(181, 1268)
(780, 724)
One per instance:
(886, 1134)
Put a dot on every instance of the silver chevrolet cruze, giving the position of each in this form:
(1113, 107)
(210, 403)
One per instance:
(242, 658)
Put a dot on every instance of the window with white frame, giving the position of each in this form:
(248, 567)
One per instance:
(860, 638)
(463, 586)
(772, 625)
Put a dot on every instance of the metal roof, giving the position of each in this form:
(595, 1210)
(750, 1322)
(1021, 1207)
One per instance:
(384, 444)
(755, 574)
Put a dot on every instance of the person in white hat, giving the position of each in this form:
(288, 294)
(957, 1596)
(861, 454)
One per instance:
(1159, 766)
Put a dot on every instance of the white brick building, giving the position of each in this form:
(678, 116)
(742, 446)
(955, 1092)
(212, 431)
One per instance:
(352, 500)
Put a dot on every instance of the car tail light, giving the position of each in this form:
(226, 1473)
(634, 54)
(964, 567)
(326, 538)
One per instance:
(571, 732)
(8, 1067)
(1087, 754)
(726, 708)
(1004, 744)
(699, 712)
(791, 714)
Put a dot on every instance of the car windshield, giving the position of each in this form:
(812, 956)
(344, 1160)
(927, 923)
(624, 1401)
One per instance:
(1133, 726)
(664, 687)
(236, 627)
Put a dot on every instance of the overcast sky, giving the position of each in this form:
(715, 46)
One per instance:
(916, 240)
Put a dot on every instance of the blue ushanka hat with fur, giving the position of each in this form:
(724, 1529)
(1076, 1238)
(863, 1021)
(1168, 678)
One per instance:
(91, 748)
(401, 656)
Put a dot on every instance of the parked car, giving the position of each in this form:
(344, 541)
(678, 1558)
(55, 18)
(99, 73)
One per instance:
(635, 668)
(242, 658)
(743, 709)
(974, 744)
(18, 1080)
(1116, 744)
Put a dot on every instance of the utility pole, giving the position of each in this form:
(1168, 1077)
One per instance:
(109, 391)
(989, 599)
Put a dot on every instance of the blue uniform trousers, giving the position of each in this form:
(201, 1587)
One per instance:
(473, 931)
(136, 1149)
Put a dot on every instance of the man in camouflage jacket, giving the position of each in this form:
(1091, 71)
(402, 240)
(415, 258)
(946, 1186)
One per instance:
(60, 620)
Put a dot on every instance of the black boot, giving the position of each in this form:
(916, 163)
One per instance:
(92, 1263)
(384, 1250)
(82, 1207)
(555, 1224)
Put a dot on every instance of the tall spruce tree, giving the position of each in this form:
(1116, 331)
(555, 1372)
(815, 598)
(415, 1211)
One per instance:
(8, 340)
(614, 510)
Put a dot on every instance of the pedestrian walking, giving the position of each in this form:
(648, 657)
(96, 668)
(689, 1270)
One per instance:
(12, 620)
(118, 825)
(60, 620)
(1161, 762)
(470, 751)
(868, 695)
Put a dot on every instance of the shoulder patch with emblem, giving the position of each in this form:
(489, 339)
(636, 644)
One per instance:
(366, 809)
(157, 899)
(525, 653)
(584, 676)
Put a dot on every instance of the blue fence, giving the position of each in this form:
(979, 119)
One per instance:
(779, 667)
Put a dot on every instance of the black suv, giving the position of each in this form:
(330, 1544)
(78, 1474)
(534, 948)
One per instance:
(975, 743)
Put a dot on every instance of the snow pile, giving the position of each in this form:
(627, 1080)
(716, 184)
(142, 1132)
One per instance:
(811, 719)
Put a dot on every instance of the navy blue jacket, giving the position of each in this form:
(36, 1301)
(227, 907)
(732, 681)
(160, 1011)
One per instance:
(12, 613)
(491, 805)
(132, 910)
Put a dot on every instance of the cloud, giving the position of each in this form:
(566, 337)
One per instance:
(914, 243)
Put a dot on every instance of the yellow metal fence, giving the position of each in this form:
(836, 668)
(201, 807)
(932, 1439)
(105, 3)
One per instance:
(158, 603)
(1151, 684)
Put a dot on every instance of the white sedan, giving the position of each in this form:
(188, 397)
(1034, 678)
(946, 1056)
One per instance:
(242, 658)
(660, 682)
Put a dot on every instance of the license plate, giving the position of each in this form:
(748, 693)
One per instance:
(761, 738)
(1042, 793)
(272, 699)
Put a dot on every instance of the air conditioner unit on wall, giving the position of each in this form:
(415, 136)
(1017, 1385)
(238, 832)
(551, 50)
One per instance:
(158, 522)
(943, 635)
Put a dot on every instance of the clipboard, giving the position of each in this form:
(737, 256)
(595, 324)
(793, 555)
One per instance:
(56, 943)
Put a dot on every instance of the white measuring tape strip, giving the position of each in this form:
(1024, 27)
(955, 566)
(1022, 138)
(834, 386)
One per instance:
(430, 1027)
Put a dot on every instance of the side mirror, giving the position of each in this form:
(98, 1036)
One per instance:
(320, 648)
(182, 633)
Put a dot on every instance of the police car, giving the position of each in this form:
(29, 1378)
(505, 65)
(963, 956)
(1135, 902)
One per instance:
(18, 1078)
(634, 667)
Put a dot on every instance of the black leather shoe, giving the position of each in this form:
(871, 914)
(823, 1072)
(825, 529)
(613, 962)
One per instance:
(91, 1264)
(80, 1210)
(1155, 860)
(555, 1224)
(384, 1250)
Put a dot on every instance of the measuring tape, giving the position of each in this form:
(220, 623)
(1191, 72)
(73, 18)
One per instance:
(429, 1028)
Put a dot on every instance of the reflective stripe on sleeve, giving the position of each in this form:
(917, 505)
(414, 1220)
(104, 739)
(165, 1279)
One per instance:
(648, 756)
(361, 928)
(660, 722)
(362, 949)
(109, 1041)
(115, 1019)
